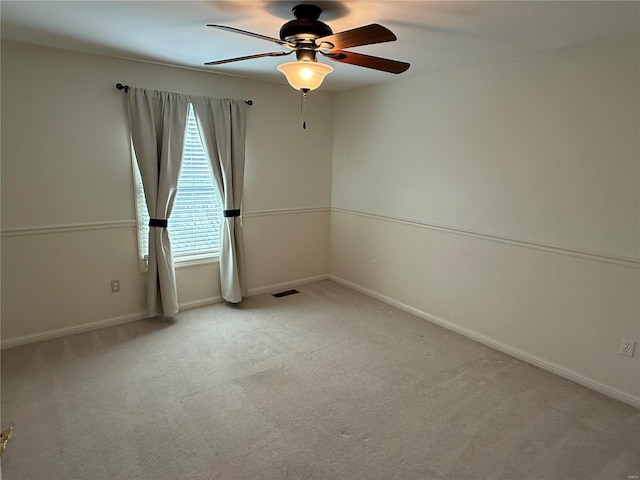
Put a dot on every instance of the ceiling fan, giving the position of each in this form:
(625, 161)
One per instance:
(307, 36)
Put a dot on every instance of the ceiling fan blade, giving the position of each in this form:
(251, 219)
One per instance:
(366, 35)
(249, 57)
(377, 63)
(251, 34)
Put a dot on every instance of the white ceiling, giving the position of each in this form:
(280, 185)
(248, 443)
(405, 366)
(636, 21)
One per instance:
(432, 36)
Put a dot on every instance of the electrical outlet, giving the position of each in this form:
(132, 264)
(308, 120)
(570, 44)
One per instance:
(627, 347)
(374, 265)
(115, 286)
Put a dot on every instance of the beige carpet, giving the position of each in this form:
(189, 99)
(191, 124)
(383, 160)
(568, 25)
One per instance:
(324, 384)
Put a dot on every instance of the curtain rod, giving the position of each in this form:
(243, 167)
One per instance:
(120, 86)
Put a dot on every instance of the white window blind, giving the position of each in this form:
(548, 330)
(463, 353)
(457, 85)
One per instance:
(194, 226)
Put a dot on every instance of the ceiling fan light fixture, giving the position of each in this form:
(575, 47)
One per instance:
(305, 75)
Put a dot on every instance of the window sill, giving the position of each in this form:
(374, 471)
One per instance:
(196, 260)
(187, 261)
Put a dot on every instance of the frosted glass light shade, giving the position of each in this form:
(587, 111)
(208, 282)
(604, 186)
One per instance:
(305, 75)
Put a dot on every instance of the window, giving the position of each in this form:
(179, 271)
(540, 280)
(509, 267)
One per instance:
(194, 226)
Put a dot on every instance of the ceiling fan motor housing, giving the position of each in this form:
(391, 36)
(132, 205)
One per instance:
(306, 27)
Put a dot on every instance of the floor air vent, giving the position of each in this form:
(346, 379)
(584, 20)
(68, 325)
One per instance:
(285, 293)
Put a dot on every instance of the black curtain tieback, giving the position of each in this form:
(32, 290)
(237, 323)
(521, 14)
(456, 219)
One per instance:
(231, 213)
(158, 222)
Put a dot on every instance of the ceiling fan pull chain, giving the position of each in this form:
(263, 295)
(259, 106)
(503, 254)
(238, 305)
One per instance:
(303, 101)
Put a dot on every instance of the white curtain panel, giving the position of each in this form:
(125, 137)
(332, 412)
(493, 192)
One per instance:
(222, 127)
(157, 120)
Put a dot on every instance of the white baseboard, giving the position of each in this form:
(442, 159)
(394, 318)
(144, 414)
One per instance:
(61, 332)
(276, 287)
(110, 322)
(490, 342)
(497, 345)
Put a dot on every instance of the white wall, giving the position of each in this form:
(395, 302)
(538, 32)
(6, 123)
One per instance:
(502, 200)
(67, 193)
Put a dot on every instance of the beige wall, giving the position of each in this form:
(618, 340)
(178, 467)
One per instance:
(66, 163)
(502, 200)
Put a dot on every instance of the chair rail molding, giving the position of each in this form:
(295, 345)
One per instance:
(548, 247)
(67, 228)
